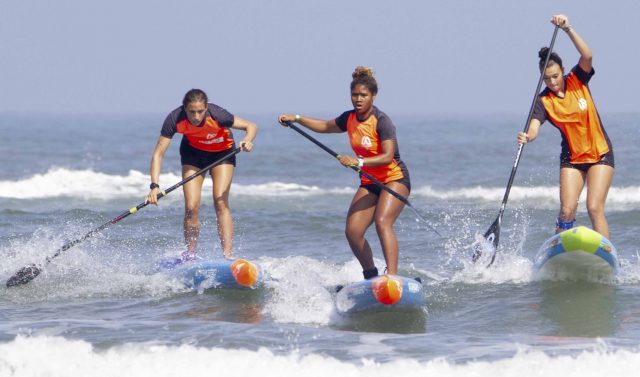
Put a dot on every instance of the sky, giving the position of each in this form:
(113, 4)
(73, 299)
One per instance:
(460, 57)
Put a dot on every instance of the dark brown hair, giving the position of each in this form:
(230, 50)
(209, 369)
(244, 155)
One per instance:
(554, 58)
(365, 76)
(195, 95)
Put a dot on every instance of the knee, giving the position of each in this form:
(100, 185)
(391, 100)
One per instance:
(191, 212)
(383, 223)
(221, 204)
(353, 233)
(595, 209)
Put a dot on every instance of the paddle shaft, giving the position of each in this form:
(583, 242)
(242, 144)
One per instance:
(364, 173)
(139, 206)
(493, 234)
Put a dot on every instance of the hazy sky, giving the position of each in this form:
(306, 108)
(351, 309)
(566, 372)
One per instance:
(431, 57)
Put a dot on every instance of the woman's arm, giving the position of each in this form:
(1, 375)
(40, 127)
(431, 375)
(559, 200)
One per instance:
(532, 132)
(156, 161)
(317, 125)
(384, 158)
(250, 128)
(586, 56)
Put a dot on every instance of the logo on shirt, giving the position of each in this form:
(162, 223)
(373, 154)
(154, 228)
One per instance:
(366, 142)
(211, 140)
(582, 104)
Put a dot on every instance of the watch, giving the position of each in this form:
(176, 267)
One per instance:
(154, 185)
(360, 162)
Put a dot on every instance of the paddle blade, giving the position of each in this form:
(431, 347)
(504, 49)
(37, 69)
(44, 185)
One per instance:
(489, 242)
(24, 275)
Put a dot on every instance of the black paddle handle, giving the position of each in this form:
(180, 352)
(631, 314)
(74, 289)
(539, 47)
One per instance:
(355, 168)
(528, 122)
(135, 209)
(364, 173)
(493, 233)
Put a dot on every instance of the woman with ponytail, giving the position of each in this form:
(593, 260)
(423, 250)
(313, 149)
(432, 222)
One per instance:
(207, 137)
(373, 139)
(587, 153)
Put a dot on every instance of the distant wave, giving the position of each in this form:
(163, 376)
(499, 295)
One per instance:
(617, 195)
(90, 185)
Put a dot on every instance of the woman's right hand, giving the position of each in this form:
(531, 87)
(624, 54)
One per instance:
(152, 197)
(285, 119)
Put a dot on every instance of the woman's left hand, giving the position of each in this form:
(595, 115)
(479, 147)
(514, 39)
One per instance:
(562, 21)
(348, 161)
(246, 145)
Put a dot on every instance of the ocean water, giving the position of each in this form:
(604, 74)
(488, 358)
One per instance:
(100, 309)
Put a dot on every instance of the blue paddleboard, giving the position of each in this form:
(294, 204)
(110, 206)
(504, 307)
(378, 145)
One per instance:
(219, 273)
(579, 253)
(381, 293)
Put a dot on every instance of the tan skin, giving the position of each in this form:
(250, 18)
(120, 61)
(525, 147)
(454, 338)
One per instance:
(599, 177)
(366, 208)
(221, 176)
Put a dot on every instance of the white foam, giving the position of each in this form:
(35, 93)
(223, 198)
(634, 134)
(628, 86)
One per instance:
(90, 185)
(84, 184)
(302, 288)
(535, 194)
(56, 356)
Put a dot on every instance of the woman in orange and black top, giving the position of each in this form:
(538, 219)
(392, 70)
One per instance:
(373, 139)
(207, 137)
(587, 154)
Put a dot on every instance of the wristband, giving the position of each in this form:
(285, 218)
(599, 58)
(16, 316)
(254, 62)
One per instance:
(297, 118)
(154, 185)
(360, 162)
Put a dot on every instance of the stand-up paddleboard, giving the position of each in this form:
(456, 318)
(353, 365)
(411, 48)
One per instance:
(382, 293)
(221, 273)
(577, 254)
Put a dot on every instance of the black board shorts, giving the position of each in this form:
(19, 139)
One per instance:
(376, 190)
(201, 159)
(605, 159)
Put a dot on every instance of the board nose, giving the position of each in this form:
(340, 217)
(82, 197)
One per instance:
(245, 272)
(387, 289)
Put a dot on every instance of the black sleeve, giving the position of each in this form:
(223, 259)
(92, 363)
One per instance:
(341, 121)
(220, 115)
(539, 111)
(169, 126)
(386, 129)
(583, 76)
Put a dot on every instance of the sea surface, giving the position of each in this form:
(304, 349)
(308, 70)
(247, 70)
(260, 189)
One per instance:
(101, 309)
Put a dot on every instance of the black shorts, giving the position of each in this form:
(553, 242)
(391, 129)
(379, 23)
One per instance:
(201, 159)
(605, 159)
(375, 189)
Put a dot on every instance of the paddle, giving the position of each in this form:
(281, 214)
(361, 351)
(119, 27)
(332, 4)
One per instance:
(364, 173)
(492, 235)
(28, 273)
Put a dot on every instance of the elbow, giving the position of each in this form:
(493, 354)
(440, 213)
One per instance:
(588, 57)
(386, 160)
(252, 128)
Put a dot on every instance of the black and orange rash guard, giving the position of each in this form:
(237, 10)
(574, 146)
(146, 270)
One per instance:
(583, 136)
(213, 135)
(366, 139)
